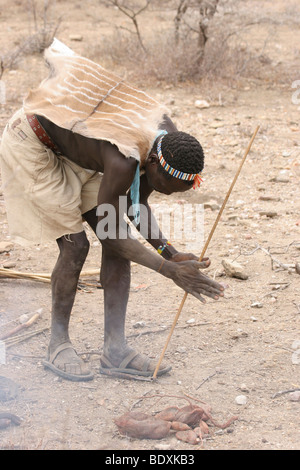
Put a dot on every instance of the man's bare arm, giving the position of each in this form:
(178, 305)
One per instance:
(117, 179)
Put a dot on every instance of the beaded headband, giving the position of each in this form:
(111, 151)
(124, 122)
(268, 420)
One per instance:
(196, 177)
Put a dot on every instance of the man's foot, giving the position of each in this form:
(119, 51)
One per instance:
(64, 361)
(132, 363)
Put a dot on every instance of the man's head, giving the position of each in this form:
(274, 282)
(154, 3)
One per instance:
(174, 163)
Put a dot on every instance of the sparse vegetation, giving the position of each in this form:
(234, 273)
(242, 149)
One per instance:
(42, 26)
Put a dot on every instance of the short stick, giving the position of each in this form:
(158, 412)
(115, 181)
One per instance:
(205, 248)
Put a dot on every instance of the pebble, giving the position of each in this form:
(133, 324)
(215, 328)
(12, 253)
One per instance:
(241, 400)
(5, 247)
(279, 179)
(269, 198)
(296, 357)
(296, 344)
(294, 396)
(270, 214)
(24, 318)
(190, 321)
(202, 104)
(139, 324)
(256, 305)
(234, 269)
(76, 37)
(211, 205)
(244, 388)
(9, 264)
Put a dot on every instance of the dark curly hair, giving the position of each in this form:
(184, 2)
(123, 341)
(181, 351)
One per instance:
(183, 152)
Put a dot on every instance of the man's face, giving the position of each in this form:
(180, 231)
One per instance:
(158, 181)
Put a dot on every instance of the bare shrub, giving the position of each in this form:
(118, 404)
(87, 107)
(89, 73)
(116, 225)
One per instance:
(132, 12)
(41, 35)
(173, 62)
(196, 43)
(164, 60)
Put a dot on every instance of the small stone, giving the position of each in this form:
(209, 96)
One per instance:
(296, 344)
(294, 396)
(234, 269)
(211, 205)
(296, 357)
(244, 388)
(190, 321)
(256, 305)
(202, 104)
(75, 37)
(23, 318)
(9, 265)
(6, 247)
(139, 324)
(241, 400)
(270, 214)
(217, 125)
(253, 318)
(269, 198)
(280, 179)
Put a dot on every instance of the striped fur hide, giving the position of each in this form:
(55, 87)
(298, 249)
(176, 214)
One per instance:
(82, 96)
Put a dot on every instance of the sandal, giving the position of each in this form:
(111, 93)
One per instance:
(49, 364)
(109, 369)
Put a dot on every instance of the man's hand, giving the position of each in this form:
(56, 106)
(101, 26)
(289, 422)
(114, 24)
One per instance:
(177, 257)
(187, 275)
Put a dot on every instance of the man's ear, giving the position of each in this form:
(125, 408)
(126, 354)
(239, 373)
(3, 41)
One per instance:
(153, 158)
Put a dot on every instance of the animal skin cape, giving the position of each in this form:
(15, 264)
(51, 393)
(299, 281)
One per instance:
(81, 96)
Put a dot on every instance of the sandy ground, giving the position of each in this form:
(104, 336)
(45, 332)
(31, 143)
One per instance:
(244, 344)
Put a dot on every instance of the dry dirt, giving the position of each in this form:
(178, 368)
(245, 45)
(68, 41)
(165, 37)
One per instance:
(219, 350)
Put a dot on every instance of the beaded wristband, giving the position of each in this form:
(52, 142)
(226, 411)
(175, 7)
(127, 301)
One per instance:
(161, 248)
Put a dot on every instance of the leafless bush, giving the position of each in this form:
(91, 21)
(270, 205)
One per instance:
(200, 39)
(43, 27)
(132, 12)
(173, 55)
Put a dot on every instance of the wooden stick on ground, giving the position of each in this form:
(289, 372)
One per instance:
(205, 248)
(20, 327)
(43, 277)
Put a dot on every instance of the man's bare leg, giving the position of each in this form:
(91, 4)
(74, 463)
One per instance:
(73, 251)
(115, 280)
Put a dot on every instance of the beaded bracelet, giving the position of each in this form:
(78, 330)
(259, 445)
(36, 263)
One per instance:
(161, 248)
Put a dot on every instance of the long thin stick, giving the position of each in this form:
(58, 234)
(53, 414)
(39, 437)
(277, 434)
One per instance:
(205, 248)
(20, 327)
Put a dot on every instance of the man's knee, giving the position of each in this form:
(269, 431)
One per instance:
(74, 248)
